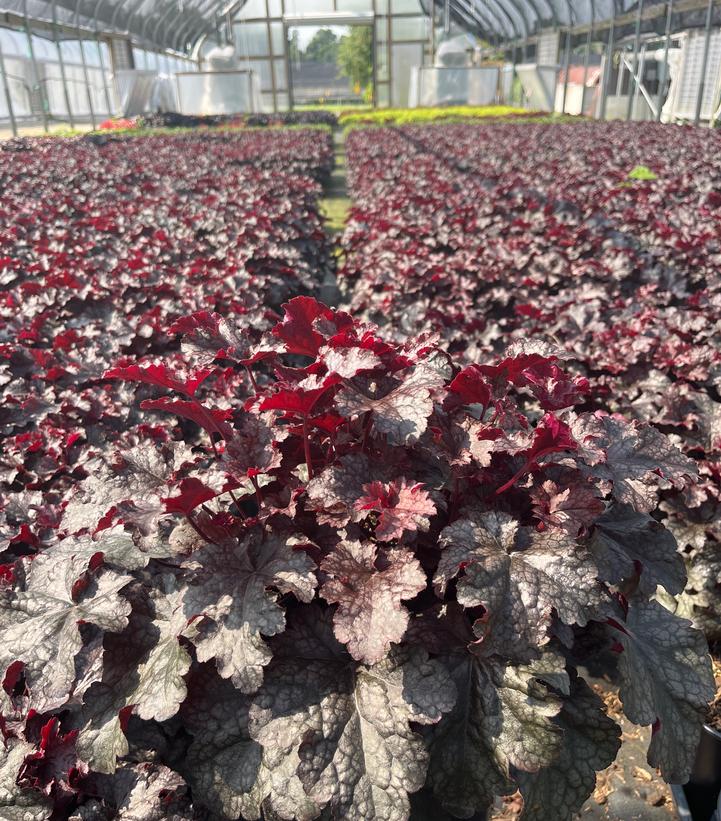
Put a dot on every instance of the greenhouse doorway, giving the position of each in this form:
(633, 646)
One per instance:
(331, 61)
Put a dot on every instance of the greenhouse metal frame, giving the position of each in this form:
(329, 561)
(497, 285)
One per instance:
(79, 42)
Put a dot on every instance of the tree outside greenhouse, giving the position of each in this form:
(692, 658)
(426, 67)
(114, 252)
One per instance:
(336, 64)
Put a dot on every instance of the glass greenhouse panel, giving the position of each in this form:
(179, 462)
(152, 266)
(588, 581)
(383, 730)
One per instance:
(354, 5)
(294, 7)
(409, 28)
(277, 38)
(381, 55)
(251, 39)
(406, 7)
(281, 79)
(253, 9)
(140, 58)
(20, 90)
(13, 42)
(403, 57)
(262, 70)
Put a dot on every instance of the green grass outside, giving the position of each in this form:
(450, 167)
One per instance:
(334, 108)
(409, 116)
(518, 119)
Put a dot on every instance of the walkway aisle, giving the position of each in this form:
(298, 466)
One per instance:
(334, 206)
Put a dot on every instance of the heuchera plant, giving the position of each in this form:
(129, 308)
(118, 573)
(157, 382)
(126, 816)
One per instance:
(486, 234)
(120, 238)
(346, 582)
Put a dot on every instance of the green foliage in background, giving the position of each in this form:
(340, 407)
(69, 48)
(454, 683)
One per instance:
(355, 56)
(408, 116)
(323, 48)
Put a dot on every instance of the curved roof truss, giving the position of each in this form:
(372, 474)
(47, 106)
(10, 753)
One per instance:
(180, 26)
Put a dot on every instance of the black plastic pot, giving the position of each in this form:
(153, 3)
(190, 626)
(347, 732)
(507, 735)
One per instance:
(702, 792)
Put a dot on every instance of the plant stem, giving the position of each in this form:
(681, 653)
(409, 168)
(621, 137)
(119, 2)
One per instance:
(512, 481)
(528, 466)
(197, 529)
(237, 504)
(366, 429)
(252, 379)
(455, 495)
(258, 494)
(306, 449)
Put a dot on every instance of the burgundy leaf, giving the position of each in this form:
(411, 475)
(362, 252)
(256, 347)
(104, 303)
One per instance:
(298, 328)
(161, 376)
(213, 421)
(192, 494)
(54, 767)
(471, 386)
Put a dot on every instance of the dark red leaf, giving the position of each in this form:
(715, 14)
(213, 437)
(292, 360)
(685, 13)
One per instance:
(161, 376)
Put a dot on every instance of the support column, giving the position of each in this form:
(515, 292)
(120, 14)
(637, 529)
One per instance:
(566, 68)
(389, 47)
(639, 85)
(101, 59)
(607, 67)
(374, 58)
(586, 60)
(512, 97)
(704, 64)
(286, 54)
(664, 65)
(61, 63)
(34, 62)
(269, 36)
(432, 32)
(634, 72)
(86, 77)
(6, 89)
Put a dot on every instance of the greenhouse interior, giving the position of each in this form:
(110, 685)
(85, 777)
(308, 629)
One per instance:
(78, 62)
(360, 438)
